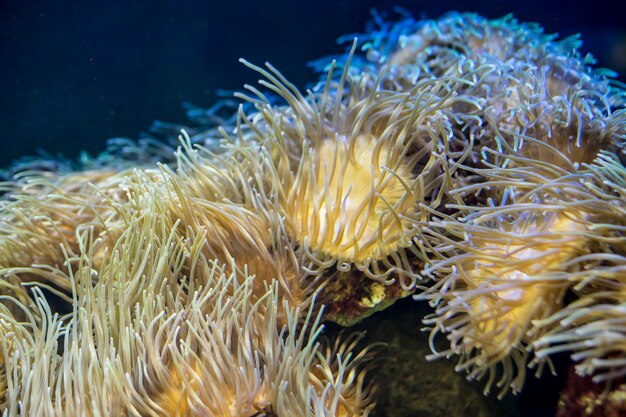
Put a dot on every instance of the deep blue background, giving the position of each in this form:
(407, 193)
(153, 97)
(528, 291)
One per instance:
(74, 73)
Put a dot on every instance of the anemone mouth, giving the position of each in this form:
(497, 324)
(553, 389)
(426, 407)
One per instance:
(352, 207)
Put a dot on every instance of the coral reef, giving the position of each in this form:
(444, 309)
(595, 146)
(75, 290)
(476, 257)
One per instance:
(478, 164)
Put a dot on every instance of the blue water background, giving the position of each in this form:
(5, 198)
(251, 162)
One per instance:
(74, 73)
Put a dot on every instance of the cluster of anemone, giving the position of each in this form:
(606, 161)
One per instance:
(160, 324)
(475, 163)
(526, 249)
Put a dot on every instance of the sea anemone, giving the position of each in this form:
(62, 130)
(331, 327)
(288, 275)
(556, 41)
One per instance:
(528, 115)
(206, 342)
(481, 155)
(349, 170)
(592, 326)
(42, 215)
(510, 81)
(502, 271)
(504, 278)
(211, 196)
(51, 215)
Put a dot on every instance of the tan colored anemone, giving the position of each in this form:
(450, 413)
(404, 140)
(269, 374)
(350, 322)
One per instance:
(504, 277)
(461, 42)
(142, 341)
(45, 215)
(241, 232)
(514, 85)
(349, 170)
(592, 326)
(290, 375)
(50, 218)
(565, 131)
(502, 270)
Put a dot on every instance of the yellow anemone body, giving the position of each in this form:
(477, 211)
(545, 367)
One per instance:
(351, 205)
(503, 316)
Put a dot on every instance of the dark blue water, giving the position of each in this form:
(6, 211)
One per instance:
(73, 73)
